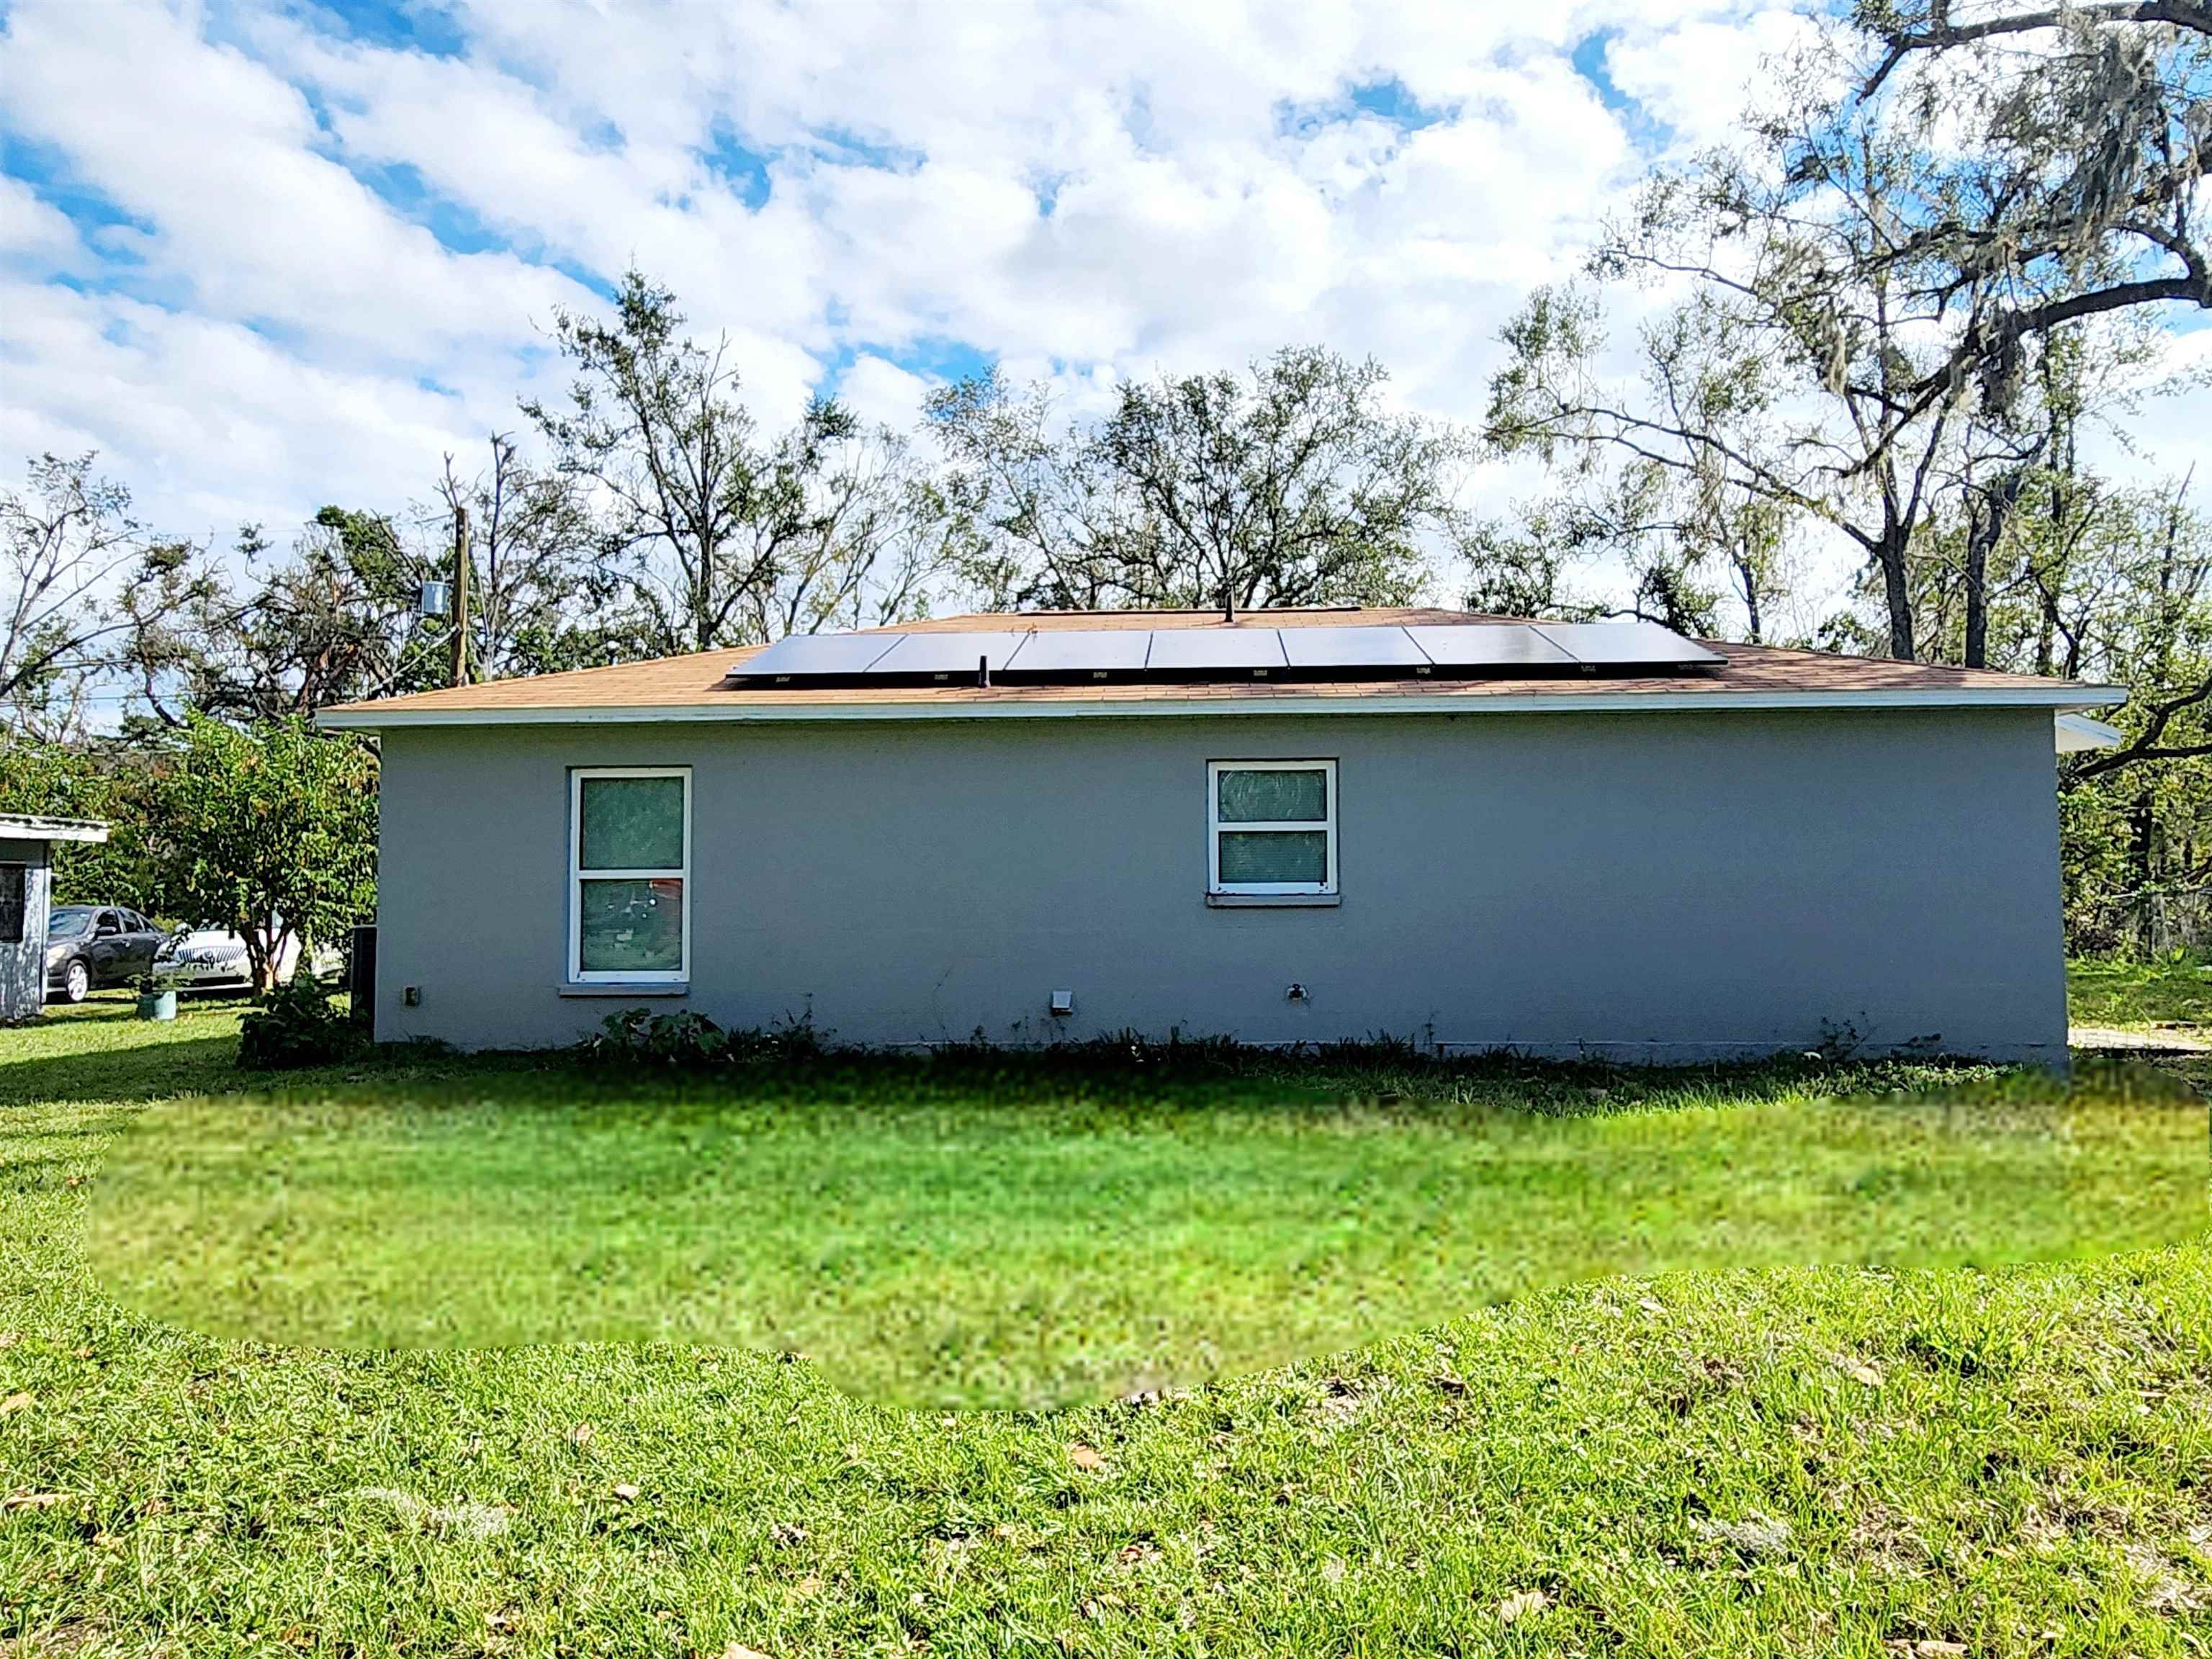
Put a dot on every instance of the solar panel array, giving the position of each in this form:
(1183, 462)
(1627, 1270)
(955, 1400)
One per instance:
(1080, 655)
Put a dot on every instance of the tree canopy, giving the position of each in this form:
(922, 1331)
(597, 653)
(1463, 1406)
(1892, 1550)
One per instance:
(1291, 484)
(2066, 144)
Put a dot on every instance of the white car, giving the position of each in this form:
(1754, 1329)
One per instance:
(214, 959)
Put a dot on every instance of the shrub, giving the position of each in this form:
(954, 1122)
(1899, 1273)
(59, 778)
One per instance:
(296, 1025)
(691, 1041)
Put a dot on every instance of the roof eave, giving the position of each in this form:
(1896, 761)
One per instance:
(17, 826)
(2058, 697)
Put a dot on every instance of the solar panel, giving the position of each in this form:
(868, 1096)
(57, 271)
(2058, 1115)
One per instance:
(1077, 655)
(1376, 651)
(1599, 645)
(813, 658)
(1348, 652)
(930, 657)
(1216, 654)
(1480, 650)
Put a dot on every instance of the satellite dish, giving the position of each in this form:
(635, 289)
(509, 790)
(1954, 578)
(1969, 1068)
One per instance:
(436, 599)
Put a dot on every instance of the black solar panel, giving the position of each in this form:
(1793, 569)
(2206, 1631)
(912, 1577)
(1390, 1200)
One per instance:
(813, 659)
(1351, 653)
(1203, 654)
(1348, 652)
(1076, 654)
(929, 658)
(1481, 650)
(1621, 645)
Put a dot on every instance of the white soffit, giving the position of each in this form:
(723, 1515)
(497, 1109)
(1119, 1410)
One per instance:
(31, 827)
(2077, 732)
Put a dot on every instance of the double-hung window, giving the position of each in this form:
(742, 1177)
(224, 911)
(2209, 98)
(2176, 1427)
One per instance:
(1271, 827)
(629, 869)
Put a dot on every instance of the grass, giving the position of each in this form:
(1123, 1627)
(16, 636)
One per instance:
(2171, 991)
(1830, 1460)
(1000, 1233)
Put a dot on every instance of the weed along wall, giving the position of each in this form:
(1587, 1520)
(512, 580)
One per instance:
(1661, 887)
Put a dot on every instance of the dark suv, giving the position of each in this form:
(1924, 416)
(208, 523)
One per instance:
(91, 947)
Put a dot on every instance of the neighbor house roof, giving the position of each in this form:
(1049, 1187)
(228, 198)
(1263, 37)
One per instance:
(693, 688)
(30, 826)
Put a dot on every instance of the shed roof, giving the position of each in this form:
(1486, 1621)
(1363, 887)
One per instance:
(693, 688)
(30, 826)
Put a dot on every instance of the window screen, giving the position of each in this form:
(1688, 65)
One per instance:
(630, 868)
(15, 901)
(1271, 827)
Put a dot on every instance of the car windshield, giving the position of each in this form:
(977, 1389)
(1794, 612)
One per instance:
(68, 924)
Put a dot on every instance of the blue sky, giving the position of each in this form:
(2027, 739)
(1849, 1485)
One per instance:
(297, 250)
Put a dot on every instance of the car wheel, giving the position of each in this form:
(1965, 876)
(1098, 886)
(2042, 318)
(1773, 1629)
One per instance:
(77, 982)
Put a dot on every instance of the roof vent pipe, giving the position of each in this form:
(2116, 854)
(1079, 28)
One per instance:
(983, 671)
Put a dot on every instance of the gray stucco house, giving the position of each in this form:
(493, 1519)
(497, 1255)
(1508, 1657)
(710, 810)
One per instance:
(26, 898)
(1300, 826)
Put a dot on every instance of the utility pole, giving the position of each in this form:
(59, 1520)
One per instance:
(460, 617)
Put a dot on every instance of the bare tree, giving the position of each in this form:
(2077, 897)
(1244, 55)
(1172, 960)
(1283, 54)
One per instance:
(72, 560)
(880, 542)
(1049, 522)
(701, 514)
(529, 572)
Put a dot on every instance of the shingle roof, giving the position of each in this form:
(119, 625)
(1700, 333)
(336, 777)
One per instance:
(692, 687)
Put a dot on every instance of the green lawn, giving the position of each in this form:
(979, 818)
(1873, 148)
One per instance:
(1836, 1460)
(2139, 994)
(1009, 1234)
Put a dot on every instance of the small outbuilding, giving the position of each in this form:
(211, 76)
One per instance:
(1464, 831)
(27, 845)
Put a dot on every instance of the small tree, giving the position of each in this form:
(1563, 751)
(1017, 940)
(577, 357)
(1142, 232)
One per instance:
(271, 831)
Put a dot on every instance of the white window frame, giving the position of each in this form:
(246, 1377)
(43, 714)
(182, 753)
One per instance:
(1216, 826)
(578, 775)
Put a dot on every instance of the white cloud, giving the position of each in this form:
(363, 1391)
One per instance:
(213, 424)
(220, 156)
(882, 393)
(1695, 78)
(327, 261)
(33, 233)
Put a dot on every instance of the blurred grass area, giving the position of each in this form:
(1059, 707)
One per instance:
(2124, 995)
(1033, 1233)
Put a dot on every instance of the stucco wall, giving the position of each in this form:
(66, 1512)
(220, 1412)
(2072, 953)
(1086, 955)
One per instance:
(1652, 886)
(23, 967)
